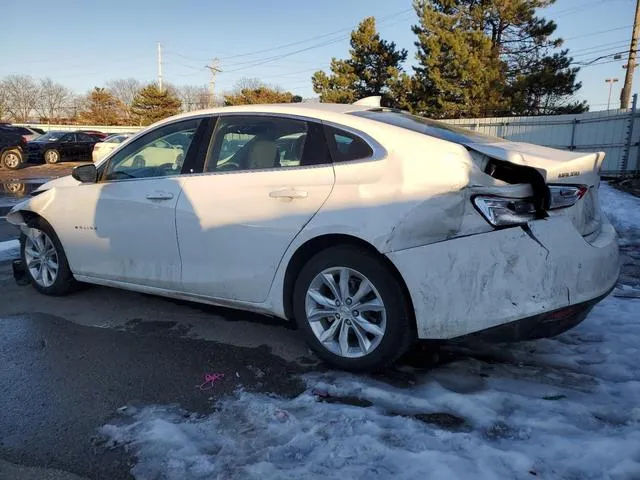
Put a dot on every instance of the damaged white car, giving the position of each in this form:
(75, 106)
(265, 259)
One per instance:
(369, 227)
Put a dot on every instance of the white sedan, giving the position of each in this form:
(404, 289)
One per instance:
(370, 228)
(105, 147)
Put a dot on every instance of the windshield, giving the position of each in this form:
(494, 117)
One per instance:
(51, 136)
(433, 128)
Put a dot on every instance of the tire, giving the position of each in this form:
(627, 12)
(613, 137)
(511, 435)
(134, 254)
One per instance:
(17, 189)
(395, 325)
(43, 239)
(11, 159)
(52, 156)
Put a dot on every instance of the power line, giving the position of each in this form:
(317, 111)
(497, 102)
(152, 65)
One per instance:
(298, 42)
(600, 32)
(596, 49)
(581, 8)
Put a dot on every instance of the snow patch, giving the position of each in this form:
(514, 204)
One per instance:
(622, 209)
(9, 250)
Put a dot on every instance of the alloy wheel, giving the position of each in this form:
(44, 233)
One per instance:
(52, 156)
(11, 160)
(345, 312)
(41, 258)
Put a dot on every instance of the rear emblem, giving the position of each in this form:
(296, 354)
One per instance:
(568, 174)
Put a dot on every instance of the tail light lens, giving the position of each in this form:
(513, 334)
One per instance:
(503, 212)
(563, 196)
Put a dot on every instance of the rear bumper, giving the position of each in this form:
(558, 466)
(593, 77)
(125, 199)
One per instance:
(473, 284)
(543, 325)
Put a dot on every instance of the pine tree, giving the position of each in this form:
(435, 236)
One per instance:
(457, 75)
(491, 57)
(261, 94)
(374, 68)
(101, 108)
(152, 104)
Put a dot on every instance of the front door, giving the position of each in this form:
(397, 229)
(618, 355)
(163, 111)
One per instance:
(124, 226)
(264, 179)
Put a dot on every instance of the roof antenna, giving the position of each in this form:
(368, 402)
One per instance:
(373, 101)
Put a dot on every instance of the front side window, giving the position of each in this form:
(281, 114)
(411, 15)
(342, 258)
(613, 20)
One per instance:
(69, 137)
(159, 153)
(263, 142)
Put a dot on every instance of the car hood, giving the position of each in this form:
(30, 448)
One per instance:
(67, 181)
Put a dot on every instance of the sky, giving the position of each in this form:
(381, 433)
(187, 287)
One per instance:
(83, 44)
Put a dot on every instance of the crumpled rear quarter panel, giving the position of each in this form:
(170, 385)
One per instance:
(468, 284)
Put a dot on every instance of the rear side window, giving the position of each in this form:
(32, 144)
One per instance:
(346, 146)
(259, 142)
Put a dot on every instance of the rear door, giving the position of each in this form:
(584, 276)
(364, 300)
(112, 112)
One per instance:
(85, 146)
(68, 147)
(264, 178)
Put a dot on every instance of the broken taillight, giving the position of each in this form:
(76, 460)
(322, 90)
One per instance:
(562, 196)
(504, 212)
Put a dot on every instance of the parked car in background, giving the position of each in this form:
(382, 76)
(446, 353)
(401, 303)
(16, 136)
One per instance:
(371, 228)
(27, 132)
(95, 133)
(12, 146)
(53, 147)
(101, 149)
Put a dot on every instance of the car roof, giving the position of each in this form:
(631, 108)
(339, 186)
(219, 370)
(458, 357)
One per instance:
(321, 111)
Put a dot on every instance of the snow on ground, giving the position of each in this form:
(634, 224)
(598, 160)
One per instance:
(9, 250)
(562, 408)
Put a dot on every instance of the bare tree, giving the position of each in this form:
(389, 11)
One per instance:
(53, 96)
(124, 90)
(21, 96)
(3, 101)
(193, 97)
(246, 83)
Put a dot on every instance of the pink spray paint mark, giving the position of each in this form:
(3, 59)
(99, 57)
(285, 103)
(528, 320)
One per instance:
(209, 380)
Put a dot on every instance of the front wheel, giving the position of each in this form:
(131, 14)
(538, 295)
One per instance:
(12, 159)
(44, 259)
(352, 310)
(52, 156)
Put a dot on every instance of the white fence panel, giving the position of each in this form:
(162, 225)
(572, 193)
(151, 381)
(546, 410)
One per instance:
(588, 132)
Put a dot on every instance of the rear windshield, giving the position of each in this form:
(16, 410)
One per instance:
(433, 128)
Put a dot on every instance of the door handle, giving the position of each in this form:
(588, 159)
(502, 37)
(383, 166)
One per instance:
(159, 196)
(290, 193)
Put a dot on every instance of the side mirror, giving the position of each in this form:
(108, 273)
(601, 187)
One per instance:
(85, 173)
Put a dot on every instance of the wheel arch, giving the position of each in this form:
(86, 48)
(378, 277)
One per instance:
(317, 244)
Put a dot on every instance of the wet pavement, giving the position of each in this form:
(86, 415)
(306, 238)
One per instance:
(13, 192)
(67, 380)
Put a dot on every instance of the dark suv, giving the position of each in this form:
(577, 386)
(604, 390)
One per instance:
(12, 144)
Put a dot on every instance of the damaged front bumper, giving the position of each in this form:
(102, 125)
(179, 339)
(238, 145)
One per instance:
(476, 283)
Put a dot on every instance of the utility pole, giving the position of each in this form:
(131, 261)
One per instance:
(214, 69)
(610, 81)
(631, 63)
(159, 66)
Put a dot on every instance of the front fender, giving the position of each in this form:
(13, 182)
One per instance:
(38, 205)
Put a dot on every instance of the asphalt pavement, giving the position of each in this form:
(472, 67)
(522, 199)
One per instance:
(70, 365)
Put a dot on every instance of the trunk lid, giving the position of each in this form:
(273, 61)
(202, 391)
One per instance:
(557, 167)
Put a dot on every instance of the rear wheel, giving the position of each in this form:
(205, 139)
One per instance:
(12, 159)
(52, 156)
(352, 310)
(44, 259)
